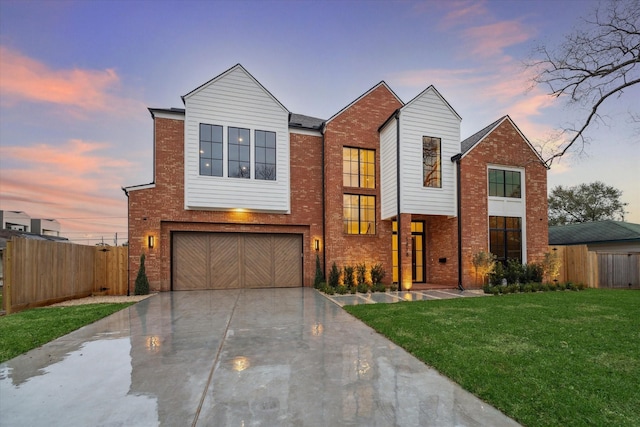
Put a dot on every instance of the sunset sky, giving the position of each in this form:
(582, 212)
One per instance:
(76, 79)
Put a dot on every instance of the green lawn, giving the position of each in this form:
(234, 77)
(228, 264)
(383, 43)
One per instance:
(23, 331)
(544, 359)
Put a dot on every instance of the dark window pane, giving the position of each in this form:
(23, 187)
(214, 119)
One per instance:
(271, 139)
(205, 150)
(244, 153)
(217, 134)
(216, 167)
(243, 137)
(217, 151)
(205, 132)
(205, 167)
(233, 153)
(233, 135)
(271, 156)
(431, 162)
(260, 138)
(260, 155)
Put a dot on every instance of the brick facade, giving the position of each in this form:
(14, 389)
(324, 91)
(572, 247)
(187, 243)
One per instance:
(317, 201)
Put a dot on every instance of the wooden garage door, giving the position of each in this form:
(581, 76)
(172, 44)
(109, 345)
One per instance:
(234, 260)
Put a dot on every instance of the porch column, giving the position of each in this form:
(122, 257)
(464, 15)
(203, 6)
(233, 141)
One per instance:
(404, 251)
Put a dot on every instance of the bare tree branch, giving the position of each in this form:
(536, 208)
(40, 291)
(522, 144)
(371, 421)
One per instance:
(595, 62)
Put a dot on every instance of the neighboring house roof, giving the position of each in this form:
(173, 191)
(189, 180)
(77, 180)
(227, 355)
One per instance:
(594, 232)
(305, 122)
(382, 83)
(235, 67)
(6, 235)
(471, 142)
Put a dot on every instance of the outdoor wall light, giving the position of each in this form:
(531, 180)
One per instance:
(151, 242)
(316, 244)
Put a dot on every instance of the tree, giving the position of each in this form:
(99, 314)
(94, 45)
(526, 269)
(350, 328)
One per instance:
(585, 202)
(142, 282)
(317, 281)
(596, 63)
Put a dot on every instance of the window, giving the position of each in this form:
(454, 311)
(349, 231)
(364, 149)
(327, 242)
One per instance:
(503, 183)
(265, 155)
(359, 214)
(210, 150)
(239, 153)
(505, 237)
(358, 167)
(431, 162)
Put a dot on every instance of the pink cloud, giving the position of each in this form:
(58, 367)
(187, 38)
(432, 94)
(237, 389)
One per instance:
(71, 181)
(491, 40)
(462, 12)
(23, 79)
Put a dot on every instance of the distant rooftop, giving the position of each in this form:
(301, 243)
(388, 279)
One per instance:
(594, 232)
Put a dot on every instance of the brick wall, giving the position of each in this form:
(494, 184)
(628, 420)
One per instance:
(159, 211)
(357, 127)
(504, 146)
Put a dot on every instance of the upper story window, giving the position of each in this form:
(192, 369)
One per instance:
(265, 155)
(431, 162)
(504, 183)
(358, 167)
(210, 150)
(359, 214)
(239, 153)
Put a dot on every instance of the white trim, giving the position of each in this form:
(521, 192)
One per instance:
(140, 187)
(305, 132)
(506, 205)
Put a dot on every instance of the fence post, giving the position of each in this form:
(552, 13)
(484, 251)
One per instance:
(8, 279)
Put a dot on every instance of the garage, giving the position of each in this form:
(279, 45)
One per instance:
(235, 260)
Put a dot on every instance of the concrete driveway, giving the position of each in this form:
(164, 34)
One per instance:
(273, 357)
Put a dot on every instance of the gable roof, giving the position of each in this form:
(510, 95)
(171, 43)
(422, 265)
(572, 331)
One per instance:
(230, 70)
(432, 88)
(594, 232)
(471, 142)
(382, 83)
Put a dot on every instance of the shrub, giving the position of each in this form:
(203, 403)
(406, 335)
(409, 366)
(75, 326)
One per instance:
(319, 275)
(334, 276)
(527, 288)
(361, 273)
(483, 264)
(497, 274)
(342, 289)
(513, 288)
(551, 265)
(561, 286)
(580, 286)
(349, 278)
(495, 290)
(533, 273)
(329, 290)
(377, 273)
(515, 271)
(352, 290)
(378, 287)
(363, 288)
(393, 287)
(142, 282)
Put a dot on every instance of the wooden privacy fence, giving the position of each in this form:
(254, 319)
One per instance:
(41, 272)
(598, 269)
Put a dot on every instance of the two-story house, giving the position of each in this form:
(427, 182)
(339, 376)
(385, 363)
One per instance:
(247, 193)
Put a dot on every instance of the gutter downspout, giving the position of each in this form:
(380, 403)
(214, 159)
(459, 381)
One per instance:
(324, 212)
(128, 243)
(398, 206)
(456, 159)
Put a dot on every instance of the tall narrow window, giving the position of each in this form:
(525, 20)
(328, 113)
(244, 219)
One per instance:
(210, 150)
(239, 153)
(265, 155)
(358, 167)
(359, 214)
(504, 183)
(431, 162)
(505, 237)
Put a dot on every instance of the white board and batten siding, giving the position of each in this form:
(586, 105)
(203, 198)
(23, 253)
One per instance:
(428, 115)
(388, 170)
(236, 99)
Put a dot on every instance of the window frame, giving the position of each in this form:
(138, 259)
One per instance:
(502, 187)
(266, 149)
(502, 225)
(360, 221)
(212, 157)
(241, 163)
(435, 166)
(362, 167)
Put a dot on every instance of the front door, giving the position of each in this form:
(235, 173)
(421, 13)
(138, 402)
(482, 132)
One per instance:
(417, 252)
